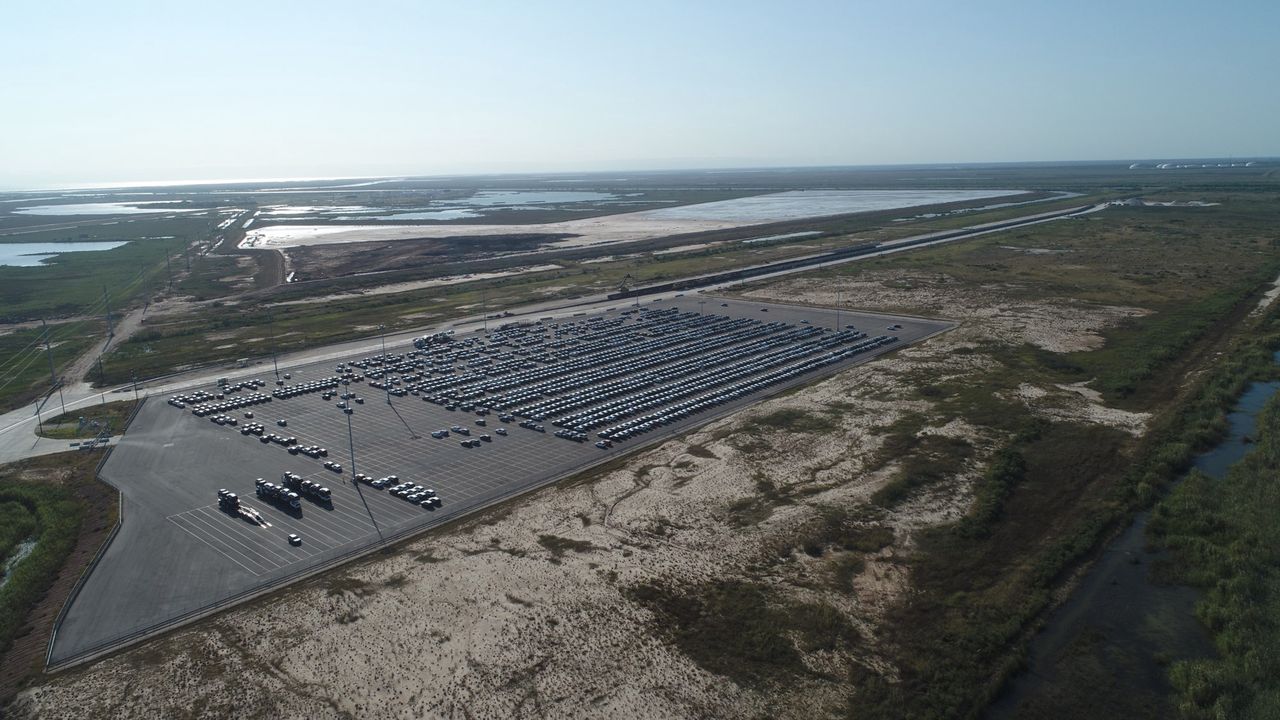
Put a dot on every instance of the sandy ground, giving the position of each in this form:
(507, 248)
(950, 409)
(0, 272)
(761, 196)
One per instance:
(1267, 298)
(391, 288)
(588, 232)
(484, 621)
(626, 227)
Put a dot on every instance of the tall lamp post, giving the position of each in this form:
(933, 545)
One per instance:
(351, 439)
(383, 330)
(271, 330)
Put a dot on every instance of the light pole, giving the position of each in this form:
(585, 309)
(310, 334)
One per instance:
(386, 379)
(135, 388)
(837, 311)
(348, 411)
(271, 331)
(351, 441)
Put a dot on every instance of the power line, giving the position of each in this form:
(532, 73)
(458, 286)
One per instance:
(17, 357)
(17, 373)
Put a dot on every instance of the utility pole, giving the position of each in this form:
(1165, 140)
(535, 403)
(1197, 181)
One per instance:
(837, 311)
(106, 306)
(39, 422)
(53, 378)
(484, 307)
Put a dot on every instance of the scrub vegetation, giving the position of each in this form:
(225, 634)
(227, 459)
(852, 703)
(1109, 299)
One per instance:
(1223, 538)
(1054, 490)
(56, 502)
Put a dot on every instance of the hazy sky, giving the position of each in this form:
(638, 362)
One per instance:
(110, 91)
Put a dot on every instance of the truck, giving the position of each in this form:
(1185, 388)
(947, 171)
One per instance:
(313, 490)
(230, 502)
(438, 338)
(278, 494)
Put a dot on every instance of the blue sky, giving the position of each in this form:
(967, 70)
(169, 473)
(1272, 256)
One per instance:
(99, 92)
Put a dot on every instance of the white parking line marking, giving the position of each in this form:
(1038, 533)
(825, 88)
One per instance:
(232, 538)
(215, 547)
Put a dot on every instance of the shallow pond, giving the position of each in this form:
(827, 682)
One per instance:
(108, 208)
(34, 254)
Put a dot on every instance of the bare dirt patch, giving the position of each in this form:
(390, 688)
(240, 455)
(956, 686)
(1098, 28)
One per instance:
(1002, 310)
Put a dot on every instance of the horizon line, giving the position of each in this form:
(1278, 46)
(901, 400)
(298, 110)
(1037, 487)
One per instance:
(393, 177)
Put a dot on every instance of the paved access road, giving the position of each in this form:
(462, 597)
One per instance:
(177, 553)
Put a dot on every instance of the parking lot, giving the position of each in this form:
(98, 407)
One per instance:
(607, 383)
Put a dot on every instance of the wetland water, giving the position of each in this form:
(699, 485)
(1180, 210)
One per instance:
(1118, 627)
(106, 208)
(34, 254)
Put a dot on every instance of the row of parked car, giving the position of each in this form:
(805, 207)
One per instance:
(416, 494)
(681, 383)
(313, 386)
(412, 492)
(620, 375)
(732, 392)
(204, 404)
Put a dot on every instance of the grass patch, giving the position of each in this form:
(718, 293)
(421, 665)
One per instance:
(110, 416)
(930, 460)
(742, 630)
(845, 568)
(794, 420)
(348, 584)
(839, 529)
(701, 451)
(1136, 352)
(756, 508)
(26, 364)
(561, 545)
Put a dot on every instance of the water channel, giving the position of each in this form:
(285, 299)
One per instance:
(1118, 626)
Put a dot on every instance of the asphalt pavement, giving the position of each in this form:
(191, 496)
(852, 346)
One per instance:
(177, 554)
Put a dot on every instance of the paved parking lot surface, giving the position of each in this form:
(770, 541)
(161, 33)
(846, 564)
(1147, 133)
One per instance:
(178, 552)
